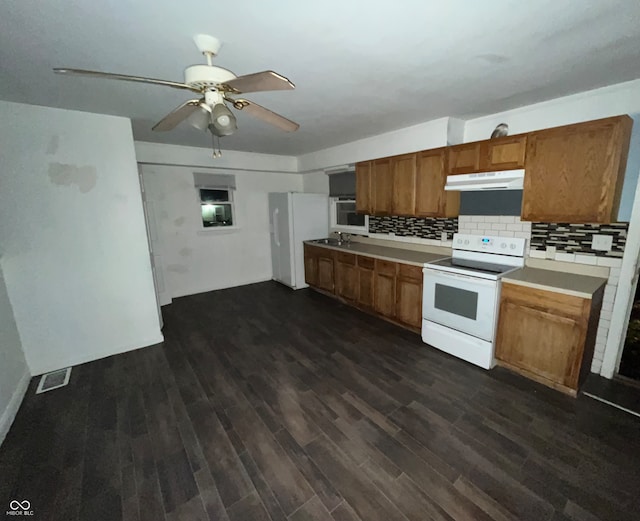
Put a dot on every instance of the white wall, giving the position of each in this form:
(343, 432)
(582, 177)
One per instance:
(196, 260)
(155, 153)
(316, 182)
(431, 134)
(14, 373)
(74, 245)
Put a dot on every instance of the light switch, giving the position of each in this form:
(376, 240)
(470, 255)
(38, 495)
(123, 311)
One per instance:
(602, 242)
(443, 236)
(551, 252)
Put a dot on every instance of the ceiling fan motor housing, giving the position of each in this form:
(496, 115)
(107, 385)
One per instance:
(206, 76)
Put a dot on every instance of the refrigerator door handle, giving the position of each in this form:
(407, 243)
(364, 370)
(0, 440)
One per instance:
(276, 231)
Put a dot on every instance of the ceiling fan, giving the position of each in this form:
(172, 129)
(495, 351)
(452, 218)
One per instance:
(217, 87)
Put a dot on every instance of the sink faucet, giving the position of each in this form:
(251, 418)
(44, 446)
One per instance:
(339, 234)
(347, 238)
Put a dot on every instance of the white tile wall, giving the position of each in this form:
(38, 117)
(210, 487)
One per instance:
(509, 226)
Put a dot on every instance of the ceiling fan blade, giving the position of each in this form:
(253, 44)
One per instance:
(124, 77)
(260, 81)
(265, 115)
(177, 116)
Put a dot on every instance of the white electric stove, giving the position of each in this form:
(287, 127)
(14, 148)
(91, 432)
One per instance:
(461, 295)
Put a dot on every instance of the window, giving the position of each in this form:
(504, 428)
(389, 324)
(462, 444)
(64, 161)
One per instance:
(216, 192)
(342, 190)
(344, 217)
(217, 207)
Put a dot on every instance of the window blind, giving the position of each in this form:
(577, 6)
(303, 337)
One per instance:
(214, 181)
(342, 184)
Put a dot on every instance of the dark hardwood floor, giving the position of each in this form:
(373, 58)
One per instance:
(267, 404)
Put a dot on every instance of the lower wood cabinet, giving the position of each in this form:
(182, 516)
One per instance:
(392, 290)
(546, 335)
(384, 289)
(346, 276)
(408, 294)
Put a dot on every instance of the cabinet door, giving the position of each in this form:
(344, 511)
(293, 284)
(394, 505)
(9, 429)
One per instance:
(539, 341)
(404, 184)
(363, 187)
(346, 276)
(574, 173)
(365, 287)
(382, 186)
(543, 333)
(325, 273)
(431, 176)
(504, 153)
(310, 266)
(384, 291)
(464, 159)
(409, 301)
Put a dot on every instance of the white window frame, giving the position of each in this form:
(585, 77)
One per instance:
(333, 216)
(234, 214)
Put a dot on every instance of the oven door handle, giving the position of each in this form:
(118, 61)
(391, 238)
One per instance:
(476, 280)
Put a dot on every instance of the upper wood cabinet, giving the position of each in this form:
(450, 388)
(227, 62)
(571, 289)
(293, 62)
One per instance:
(431, 175)
(575, 173)
(363, 187)
(504, 153)
(382, 186)
(546, 335)
(465, 158)
(403, 169)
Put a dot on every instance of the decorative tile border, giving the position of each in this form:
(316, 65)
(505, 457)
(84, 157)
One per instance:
(576, 238)
(424, 228)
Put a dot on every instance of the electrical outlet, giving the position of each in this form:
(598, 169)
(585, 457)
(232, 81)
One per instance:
(602, 242)
(551, 252)
(443, 236)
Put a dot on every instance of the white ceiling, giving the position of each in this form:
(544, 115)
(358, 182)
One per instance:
(361, 67)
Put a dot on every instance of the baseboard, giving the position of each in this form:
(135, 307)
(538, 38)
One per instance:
(83, 359)
(235, 284)
(10, 412)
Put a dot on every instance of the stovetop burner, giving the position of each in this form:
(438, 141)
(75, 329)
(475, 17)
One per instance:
(474, 265)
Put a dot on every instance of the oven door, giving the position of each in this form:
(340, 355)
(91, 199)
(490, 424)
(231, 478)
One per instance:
(461, 302)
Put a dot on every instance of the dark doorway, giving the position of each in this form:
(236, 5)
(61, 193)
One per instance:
(630, 362)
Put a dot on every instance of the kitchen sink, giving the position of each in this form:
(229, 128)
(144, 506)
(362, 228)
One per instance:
(329, 242)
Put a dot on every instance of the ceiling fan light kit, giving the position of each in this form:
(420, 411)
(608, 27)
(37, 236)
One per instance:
(215, 84)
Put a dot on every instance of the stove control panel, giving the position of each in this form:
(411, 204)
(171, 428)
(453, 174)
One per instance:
(489, 244)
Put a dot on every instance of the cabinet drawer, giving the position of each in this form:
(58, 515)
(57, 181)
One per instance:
(407, 271)
(551, 301)
(386, 267)
(346, 258)
(366, 262)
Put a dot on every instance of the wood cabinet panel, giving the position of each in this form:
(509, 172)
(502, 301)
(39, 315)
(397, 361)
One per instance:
(346, 276)
(546, 335)
(382, 187)
(366, 262)
(504, 153)
(365, 287)
(326, 276)
(410, 272)
(385, 294)
(310, 266)
(575, 173)
(386, 267)
(363, 187)
(464, 158)
(409, 301)
(403, 169)
(431, 176)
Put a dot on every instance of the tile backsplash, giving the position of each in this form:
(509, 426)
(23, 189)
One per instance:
(576, 238)
(418, 227)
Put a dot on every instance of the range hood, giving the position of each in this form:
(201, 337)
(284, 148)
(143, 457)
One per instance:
(504, 180)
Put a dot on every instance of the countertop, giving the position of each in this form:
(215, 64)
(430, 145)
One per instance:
(562, 282)
(416, 258)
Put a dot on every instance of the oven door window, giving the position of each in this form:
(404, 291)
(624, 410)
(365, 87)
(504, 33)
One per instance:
(457, 301)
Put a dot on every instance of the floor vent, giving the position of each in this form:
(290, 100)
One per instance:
(54, 380)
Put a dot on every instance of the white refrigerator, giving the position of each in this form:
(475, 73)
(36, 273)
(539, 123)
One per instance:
(294, 218)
